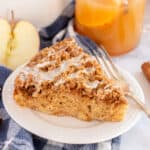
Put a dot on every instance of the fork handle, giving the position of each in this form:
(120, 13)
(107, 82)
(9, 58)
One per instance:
(139, 103)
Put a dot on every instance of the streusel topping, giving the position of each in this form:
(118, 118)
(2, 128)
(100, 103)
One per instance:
(66, 66)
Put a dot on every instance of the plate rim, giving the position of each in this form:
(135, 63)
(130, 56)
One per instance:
(64, 140)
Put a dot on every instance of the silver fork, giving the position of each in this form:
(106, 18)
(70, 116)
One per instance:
(112, 71)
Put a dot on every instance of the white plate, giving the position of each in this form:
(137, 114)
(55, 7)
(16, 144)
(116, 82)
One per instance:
(67, 129)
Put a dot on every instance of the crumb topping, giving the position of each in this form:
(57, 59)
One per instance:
(65, 66)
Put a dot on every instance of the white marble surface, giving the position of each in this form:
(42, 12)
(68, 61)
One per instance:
(138, 138)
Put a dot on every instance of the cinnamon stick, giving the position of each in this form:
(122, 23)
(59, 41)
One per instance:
(146, 69)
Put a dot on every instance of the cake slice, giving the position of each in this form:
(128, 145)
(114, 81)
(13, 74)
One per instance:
(63, 80)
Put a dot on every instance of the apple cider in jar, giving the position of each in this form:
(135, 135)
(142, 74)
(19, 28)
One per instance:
(114, 24)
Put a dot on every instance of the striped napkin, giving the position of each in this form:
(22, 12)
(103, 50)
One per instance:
(12, 136)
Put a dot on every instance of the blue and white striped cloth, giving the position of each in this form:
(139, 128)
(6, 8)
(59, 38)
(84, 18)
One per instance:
(12, 136)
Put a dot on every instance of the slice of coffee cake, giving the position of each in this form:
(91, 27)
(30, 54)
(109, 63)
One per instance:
(64, 80)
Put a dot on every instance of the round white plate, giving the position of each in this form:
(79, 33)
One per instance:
(68, 129)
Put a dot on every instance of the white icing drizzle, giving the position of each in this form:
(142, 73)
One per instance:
(46, 63)
(24, 73)
(22, 76)
(86, 70)
(92, 84)
(41, 76)
(75, 75)
(60, 81)
(89, 69)
(107, 86)
(50, 75)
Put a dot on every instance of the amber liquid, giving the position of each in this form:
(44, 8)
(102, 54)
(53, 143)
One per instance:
(117, 35)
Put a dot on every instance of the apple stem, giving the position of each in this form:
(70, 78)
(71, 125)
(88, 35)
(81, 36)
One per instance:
(12, 22)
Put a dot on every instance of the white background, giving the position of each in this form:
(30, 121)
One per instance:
(39, 12)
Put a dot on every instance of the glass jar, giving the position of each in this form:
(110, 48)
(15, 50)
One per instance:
(114, 24)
